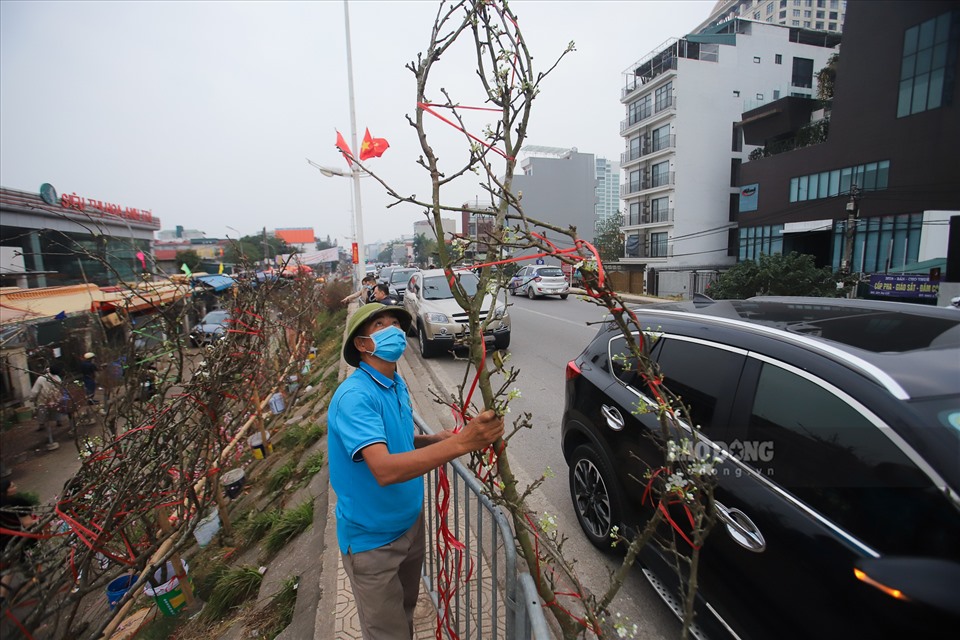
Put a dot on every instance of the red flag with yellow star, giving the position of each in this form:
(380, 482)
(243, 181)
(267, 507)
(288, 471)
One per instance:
(345, 149)
(372, 147)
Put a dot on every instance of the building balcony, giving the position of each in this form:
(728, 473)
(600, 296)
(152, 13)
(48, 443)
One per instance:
(667, 105)
(655, 181)
(650, 218)
(663, 143)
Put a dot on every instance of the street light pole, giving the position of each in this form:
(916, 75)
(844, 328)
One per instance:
(360, 267)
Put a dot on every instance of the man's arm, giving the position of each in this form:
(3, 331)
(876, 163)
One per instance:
(391, 468)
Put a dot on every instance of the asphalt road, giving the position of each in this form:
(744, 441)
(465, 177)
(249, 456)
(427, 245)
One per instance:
(546, 334)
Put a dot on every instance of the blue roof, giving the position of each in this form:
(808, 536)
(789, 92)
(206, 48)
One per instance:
(216, 282)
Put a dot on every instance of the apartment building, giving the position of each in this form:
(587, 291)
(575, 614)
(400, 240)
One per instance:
(607, 190)
(684, 145)
(822, 15)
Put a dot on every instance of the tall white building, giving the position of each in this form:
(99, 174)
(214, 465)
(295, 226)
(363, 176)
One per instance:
(608, 190)
(684, 146)
(821, 15)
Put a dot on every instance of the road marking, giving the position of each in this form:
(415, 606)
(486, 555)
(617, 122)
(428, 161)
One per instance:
(581, 324)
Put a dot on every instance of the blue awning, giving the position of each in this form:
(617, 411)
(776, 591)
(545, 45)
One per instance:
(216, 282)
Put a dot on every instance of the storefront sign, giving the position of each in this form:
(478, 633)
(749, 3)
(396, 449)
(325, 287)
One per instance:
(89, 205)
(909, 286)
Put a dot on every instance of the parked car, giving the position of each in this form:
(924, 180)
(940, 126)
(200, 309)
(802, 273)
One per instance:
(212, 327)
(837, 426)
(439, 323)
(399, 278)
(384, 274)
(537, 280)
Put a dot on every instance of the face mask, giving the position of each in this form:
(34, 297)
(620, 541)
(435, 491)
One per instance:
(389, 343)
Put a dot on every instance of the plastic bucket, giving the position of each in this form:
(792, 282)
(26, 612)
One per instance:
(166, 592)
(233, 482)
(117, 588)
(256, 445)
(277, 403)
(207, 528)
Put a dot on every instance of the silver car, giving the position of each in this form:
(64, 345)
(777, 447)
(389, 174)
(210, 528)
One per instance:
(540, 280)
(438, 321)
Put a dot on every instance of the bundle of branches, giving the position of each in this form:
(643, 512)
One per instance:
(151, 470)
(508, 84)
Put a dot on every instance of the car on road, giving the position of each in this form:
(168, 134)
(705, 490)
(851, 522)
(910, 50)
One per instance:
(835, 427)
(211, 328)
(439, 323)
(538, 280)
(397, 281)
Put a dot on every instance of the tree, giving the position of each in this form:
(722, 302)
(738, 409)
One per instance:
(324, 244)
(609, 238)
(386, 255)
(424, 249)
(827, 78)
(794, 274)
(188, 257)
(250, 248)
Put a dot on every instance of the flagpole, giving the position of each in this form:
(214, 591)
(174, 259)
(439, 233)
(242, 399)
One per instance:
(360, 267)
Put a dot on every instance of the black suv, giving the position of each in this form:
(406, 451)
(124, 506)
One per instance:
(837, 494)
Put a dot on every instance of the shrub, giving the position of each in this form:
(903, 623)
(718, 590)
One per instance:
(282, 476)
(777, 275)
(313, 464)
(278, 614)
(255, 526)
(230, 591)
(291, 523)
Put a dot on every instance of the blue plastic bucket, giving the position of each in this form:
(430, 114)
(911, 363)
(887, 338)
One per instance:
(117, 588)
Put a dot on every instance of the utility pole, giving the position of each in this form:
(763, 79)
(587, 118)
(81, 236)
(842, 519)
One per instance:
(853, 214)
(265, 246)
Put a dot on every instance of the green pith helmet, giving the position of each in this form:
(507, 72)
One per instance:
(365, 313)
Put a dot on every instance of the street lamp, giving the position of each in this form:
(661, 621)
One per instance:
(356, 223)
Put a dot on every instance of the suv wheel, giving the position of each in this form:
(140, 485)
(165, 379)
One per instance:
(428, 347)
(596, 498)
(530, 293)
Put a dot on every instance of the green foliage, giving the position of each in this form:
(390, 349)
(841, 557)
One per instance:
(827, 78)
(282, 476)
(301, 435)
(325, 244)
(291, 523)
(160, 628)
(278, 613)
(333, 292)
(424, 249)
(206, 576)
(313, 464)
(386, 256)
(609, 239)
(231, 590)
(255, 526)
(251, 248)
(777, 275)
(188, 257)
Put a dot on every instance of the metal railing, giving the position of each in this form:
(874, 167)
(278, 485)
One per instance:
(499, 600)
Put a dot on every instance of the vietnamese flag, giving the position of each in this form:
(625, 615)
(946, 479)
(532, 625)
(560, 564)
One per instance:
(345, 149)
(372, 147)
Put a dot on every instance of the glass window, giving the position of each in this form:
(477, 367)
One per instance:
(835, 183)
(802, 72)
(870, 176)
(802, 188)
(824, 185)
(923, 65)
(704, 377)
(661, 137)
(794, 186)
(634, 151)
(845, 179)
(778, 59)
(634, 217)
(861, 479)
(659, 209)
(663, 97)
(660, 173)
(819, 26)
(813, 186)
(883, 171)
(658, 245)
(634, 181)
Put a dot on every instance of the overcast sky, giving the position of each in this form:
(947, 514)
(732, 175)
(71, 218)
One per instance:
(204, 112)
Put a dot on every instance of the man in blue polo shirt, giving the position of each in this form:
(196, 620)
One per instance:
(376, 468)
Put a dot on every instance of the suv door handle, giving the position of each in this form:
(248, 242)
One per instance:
(614, 419)
(741, 528)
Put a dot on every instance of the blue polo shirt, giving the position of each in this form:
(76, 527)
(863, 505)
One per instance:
(368, 408)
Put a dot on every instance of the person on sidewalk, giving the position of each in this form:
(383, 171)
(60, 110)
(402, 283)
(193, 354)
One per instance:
(15, 515)
(365, 293)
(377, 465)
(381, 294)
(46, 395)
(88, 371)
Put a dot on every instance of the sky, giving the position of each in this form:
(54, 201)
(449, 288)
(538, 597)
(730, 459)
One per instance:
(204, 113)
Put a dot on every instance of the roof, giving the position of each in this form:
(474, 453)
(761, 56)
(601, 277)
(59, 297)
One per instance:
(216, 282)
(26, 304)
(296, 236)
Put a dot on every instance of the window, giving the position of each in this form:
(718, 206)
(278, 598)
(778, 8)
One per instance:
(704, 377)
(634, 181)
(756, 59)
(924, 64)
(819, 26)
(736, 94)
(872, 176)
(759, 96)
(634, 213)
(806, 23)
(634, 151)
(769, 8)
(735, 164)
(806, 14)
(860, 475)
(776, 94)
(659, 209)
(795, 23)
(639, 109)
(783, 15)
(661, 138)
(663, 96)
(820, 15)
(833, 26)
(834, 4)
(778, 59)
(660, 174)
(658, 245)
(802, 73)
(753, 241)
(821, 4)
(783, 4)
(632, 245)
(737, 144)
(796, 13)
(833, 15)
(756, 15)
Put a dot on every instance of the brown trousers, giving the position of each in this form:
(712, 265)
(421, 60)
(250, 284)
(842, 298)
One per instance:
(386, 584)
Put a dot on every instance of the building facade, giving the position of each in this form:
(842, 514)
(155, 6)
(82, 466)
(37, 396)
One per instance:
(684, 147)
(822, 15)
(607, 192)
(425, 227)
(886, 162)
